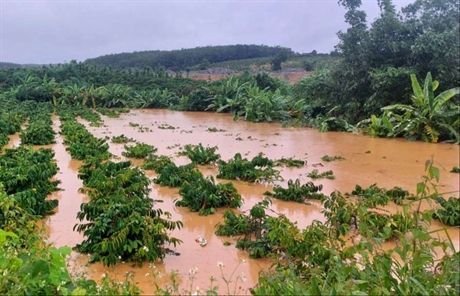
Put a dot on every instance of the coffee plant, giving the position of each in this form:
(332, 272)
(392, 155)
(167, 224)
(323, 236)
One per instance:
(258, 169)
(297, 192)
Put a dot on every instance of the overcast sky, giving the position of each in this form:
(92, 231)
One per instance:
(37, 31)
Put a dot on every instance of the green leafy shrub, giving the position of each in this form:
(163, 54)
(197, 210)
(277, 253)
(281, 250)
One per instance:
(26, 176)
(40, 130)
(262, 235)
(139, 150)
(373, 195)
(315, 174)
(119, 222)
(201, 155)
(322, 262)
(81, 144)
(174, 176)
(234, 224)
(297, 192)
(258, 169)
(29, 266)
(449, 212)
(290, 162)
(10, 123)
(156, 163)
(204, 196)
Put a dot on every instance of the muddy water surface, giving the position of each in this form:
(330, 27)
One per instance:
(387, 162)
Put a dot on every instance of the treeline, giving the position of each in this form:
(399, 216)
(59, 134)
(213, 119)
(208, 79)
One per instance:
(376, 61)
(183, 59)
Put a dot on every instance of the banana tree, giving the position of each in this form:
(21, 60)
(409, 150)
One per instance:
(429, 117)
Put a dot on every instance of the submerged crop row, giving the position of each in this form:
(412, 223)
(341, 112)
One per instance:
(119, 221)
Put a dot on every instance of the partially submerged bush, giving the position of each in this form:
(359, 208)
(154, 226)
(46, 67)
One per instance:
(297, 192)
(449, 212)
(201, 155)
(39, 130)
(119, 222)
(139, 150)
(204, 196)
(156, 163)
(174, 176)
(315, 174)
(121, 139)
(373, 195)
(262, 235)
(81, 144)
(26, 176)
(290, 162)
(329, 158)
(260, 168)
(455, 169)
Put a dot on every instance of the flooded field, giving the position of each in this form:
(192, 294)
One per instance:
(387, 162)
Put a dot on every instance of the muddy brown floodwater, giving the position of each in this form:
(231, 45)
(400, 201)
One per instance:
(387, 162)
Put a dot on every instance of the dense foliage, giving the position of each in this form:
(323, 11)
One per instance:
(139, 150)
(376, 60)
(119, 222)
(25, 175)
(297, 192)
(320, 260)
(39, 130)
(201, 155)
(449, 211)
(31, 267)
(258, 169)
(429, 118)
(203, 195)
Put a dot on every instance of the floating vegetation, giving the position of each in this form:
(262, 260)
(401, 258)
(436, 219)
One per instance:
(328, 158)
(122, 139)
(259, 169)
(203, 195)
(215, 130)
(290, 162)
(201, 155)
(449, 211)
(455, 169)
(166, 126)
(297, 192)
(139, 150)
(315, 174)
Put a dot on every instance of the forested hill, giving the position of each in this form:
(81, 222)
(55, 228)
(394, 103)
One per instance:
(185, 58)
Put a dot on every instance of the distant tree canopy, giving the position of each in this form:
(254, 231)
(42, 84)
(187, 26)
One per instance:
(182, 59)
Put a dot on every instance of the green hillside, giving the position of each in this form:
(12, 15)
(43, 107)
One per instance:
(183, 59)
